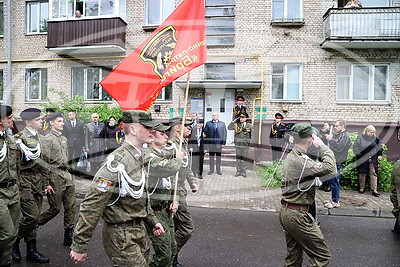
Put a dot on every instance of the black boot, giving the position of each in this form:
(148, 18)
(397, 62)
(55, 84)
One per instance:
(33, 255)
(396, 228)
(68, 232)
(16, 253)
(176, 263)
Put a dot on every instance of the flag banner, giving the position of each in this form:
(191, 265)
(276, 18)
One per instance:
(177, 46)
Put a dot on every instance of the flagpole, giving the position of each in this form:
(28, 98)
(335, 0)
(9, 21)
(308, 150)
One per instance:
(182, 130)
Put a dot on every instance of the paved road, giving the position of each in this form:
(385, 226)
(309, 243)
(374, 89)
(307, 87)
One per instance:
(249, 238)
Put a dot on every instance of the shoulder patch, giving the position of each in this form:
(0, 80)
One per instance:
(318, 165)
(163, 163)
(103, 185)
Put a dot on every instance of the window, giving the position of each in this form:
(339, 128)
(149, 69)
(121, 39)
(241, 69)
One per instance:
(363, 82)
(1, 19)
(86, 82)
(220, 71)
(88, 8)
(37, 16)
(376, 3)
(1, 85)
(35, 84)
(166, 93)
(287, 10)
(286, 82)
(158, 10)
(220, 22)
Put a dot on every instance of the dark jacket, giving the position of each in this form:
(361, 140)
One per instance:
(110, 135)
(195, 139)
(277, 134)
(94, 141)
(367, 149)
(214, 139)
(75, 135)
(340, 145)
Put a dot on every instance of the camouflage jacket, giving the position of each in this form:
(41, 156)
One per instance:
(299, 171)
(395, 188)
(243, 135)
(161, 170)
(9, 168)
(104, 198)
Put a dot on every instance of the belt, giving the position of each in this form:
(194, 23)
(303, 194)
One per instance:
(133, 222)
(7, 184)
(293, 206)
(160, 207)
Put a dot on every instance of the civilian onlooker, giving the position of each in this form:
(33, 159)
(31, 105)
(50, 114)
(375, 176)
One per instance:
(214, 140)
(340, 144)
(120, 134)
(74, 132)
(395, 196)
(353, 4)
(368, 151)
(110, 134)
(193, 119)
(94, 142)
(78, 14)
(276, 137)
(196, 146)
(324, 132)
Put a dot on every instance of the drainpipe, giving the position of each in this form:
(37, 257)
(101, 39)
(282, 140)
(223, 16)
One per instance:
(9, 70)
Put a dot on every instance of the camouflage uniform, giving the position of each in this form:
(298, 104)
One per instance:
(160, 166)
(243, 136)
(55, 154)
(183, 220)
(125, 239)
(9, 197)
(301, 231)
(395, 195)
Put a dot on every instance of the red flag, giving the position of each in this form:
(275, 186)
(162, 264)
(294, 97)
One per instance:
(177, 46)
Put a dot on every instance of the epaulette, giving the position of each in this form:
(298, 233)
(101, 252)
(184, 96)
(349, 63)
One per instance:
(118, 156)
(18, 135)
(170, 142)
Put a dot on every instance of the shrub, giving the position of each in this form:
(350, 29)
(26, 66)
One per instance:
(271, 176)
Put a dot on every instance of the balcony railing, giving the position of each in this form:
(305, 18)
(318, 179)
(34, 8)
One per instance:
(97, 35)
(362, 27)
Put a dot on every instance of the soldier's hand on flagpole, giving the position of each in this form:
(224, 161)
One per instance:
(158, 229)
(77, 257)
(173, 207)
(49, 190)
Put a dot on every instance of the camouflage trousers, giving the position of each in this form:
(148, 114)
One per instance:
(242, 154)
(164, 245)
(64, 195)
(126, 245)
(9, 221)
(183, 225)
(303, 234)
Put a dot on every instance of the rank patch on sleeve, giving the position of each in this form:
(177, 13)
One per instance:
(163, 163)
(318, 165)
(103, 185)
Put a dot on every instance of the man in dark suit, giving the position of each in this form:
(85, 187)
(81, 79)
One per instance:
(214, 140)
(74, 132)
(94, 143)
(196, 146)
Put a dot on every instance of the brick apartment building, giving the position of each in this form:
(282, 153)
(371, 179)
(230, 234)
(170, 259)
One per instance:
(310, 60)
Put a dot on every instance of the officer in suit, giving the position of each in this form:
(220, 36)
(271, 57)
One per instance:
(239, 108)
(95, 142)
(196, 146)
(214, 139)
(276, 137)
(74, 132)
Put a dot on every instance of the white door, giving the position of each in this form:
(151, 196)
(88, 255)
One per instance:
(222, 102)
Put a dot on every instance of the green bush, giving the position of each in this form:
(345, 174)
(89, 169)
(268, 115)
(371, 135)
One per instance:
(349, 172)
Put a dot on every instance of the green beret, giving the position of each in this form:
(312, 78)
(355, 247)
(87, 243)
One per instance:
(30, 113)
(303, 130)
(161, 127)
(178, 120)
(55, 115)
(138, 116)
(5, 111)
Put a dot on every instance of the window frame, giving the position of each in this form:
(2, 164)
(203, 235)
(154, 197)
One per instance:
(161, 96)
(212, 17)
(285, 19)
(28, 16)
(2, 19)
(285, 83)
(371, 82)
(43, 87)
(1, 85)
(161, 15)
(226, 64)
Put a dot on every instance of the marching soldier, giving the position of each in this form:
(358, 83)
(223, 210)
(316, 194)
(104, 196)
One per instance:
(243, 136)
(183, 220)
(395, 196)
(31, 185)
(300, 176)
(276, 137)
(119, 195)
(239, 108)
(62, 192)
(9, 192)
(162, 166)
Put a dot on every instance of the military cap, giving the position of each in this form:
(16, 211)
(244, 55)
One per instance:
(178, 120)
(243, 115)
(161, 127)
(50, 110)
(138, 116)
(55, 115)
(240, 98)
(200, 121)
(303, 130)
(278, 116)
(30, 113)
(5, 111)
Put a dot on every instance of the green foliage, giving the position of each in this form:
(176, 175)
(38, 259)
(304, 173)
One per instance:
(270, 176)
(77, 102)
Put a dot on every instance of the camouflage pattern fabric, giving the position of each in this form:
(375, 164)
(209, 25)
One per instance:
(395, 195)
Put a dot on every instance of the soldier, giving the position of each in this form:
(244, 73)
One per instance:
(46, 127)
(298, 193)
(31, 185)
(276, 137)
(162, 167)
(243, 136)
(9, 192)
(395, 196)
(119, 195)
(55, 154)
(183, 220)
(239, 108)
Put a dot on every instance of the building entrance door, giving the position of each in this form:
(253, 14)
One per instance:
(222, 102)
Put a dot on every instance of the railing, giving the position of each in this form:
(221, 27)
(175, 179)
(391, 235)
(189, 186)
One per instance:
(86, 32)
(362, 23)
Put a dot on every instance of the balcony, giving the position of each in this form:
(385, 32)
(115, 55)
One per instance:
(362, 28)
(86, 36)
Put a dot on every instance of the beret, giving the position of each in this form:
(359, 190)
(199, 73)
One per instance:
(55, 115)
(30, 113)
(5, 111)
